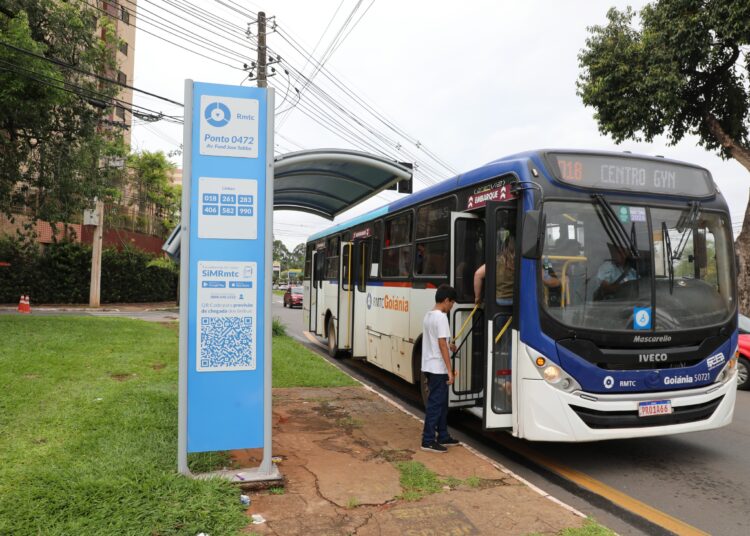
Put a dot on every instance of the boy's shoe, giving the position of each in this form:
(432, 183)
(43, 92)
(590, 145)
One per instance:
(450, 442)
(434, 447)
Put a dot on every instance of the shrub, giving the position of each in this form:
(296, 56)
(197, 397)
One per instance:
(61, 273)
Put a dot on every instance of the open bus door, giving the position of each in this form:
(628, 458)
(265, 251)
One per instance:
(467, 254)
(501, 339)
(345, 298)
(315, 285)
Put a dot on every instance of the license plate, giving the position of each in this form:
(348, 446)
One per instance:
(654, 407)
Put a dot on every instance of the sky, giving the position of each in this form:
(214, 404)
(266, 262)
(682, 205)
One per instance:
(467, 82)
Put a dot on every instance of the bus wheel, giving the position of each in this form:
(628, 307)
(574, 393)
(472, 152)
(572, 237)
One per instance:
(424, 388)
(332, 346)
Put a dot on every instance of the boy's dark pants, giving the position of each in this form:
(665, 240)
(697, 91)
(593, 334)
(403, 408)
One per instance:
(436, 413)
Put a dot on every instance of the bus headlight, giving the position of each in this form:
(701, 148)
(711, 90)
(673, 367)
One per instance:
(726, 372)
(554, 375)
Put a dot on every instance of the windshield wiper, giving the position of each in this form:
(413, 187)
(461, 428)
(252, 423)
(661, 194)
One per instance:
(668, 244)
(614, 228)
(685, 225)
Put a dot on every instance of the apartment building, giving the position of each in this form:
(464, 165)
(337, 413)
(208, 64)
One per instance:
(122, 13)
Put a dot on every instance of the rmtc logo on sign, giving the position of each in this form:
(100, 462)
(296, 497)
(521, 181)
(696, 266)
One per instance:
(228, 127)
(217, 114)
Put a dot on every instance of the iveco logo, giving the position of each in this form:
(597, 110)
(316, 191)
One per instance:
(651, 358)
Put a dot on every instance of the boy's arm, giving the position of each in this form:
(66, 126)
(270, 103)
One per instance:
(443, 344)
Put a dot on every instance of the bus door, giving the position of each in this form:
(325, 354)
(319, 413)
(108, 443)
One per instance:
(361, 268)
(315, 285)
(467, 254)
(500, 293)
(346, 296)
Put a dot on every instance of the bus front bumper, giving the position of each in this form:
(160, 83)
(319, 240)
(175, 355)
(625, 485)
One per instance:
(549, 414)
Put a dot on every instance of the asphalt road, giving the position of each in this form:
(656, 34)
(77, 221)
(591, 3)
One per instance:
(700, 479)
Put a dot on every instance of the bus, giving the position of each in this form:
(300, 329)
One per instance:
(621, 317)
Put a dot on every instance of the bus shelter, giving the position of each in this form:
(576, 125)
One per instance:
(326, 182)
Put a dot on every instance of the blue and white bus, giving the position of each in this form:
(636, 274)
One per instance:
(623, 316)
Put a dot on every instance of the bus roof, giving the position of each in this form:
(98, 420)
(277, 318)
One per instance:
(483, 173)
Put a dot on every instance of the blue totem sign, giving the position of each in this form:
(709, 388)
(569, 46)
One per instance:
(225, 296)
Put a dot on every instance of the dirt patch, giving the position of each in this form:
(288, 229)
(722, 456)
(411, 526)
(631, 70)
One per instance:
(158, 366)
(337, 449)
(395, 455)
(122, 377)
(31, 376)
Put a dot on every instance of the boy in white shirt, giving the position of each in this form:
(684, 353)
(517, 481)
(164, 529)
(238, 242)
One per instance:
(436, 365)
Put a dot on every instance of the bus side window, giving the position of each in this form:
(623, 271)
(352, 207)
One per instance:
(397, 247)
(308, 261)
(364, 265)
(332, 258)
(374, 265)
(433, 248)
(345, 272)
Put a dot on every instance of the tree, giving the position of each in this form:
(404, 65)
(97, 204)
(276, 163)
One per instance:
(280, 253)
(51, 138)
(152, 191)
(297, 256)
(684, 71)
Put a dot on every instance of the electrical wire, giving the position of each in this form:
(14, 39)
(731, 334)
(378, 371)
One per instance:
(83, 71)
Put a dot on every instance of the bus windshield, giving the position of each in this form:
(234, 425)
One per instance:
(634, 267)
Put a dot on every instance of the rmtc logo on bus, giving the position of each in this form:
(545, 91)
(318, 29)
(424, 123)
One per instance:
(388, 302)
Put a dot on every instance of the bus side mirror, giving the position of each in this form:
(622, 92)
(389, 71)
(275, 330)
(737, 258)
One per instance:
(532, 225)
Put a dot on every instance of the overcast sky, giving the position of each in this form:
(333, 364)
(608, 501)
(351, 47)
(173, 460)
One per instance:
(470, 81)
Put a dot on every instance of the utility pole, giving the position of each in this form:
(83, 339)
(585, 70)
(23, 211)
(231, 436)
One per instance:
(96, 256)
(262, 80)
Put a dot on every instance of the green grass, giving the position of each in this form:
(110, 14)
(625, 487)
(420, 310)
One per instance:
(296, 366)
(88, 430)
(590, 528)
(417, 481)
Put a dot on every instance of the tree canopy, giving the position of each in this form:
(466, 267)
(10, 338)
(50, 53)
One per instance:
(51, 109)
(148, 182)
(684, 71)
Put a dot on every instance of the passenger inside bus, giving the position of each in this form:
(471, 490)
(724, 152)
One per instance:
(504, 272)
(613, 272)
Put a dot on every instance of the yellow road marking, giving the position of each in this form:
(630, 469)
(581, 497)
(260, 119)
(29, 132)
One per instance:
(615, 496)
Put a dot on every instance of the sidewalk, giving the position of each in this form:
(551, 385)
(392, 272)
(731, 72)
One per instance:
(343, 451)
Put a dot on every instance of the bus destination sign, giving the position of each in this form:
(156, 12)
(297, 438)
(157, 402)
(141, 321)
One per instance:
(631, 174)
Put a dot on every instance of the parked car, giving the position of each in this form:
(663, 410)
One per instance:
(293, 297)
(283, 286)
(743, 364)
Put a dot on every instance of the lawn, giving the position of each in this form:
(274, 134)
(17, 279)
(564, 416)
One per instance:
(88, 429)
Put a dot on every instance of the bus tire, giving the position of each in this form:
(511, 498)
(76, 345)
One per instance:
(333, 349)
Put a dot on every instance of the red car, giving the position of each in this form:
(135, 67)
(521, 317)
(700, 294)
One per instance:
(293, 297)
(743, 364)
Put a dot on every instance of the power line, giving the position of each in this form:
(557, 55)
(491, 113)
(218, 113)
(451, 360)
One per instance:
(89, 93)
(141, 28)
(83, 71)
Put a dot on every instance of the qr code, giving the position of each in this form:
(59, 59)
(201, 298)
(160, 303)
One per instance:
(226, 343)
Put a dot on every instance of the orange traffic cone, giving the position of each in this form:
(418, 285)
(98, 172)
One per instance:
(23, 306)
(28, 305)
(20, 305)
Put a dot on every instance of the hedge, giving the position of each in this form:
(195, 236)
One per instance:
(61, 273)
